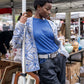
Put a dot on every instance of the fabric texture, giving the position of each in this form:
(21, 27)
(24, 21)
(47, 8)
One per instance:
(31, 55)
(44, 37)
(53, 70)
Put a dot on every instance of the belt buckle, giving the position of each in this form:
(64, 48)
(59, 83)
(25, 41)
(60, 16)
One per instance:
(53, 55)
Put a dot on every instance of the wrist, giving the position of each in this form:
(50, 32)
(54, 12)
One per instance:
(61, 54)
(21, 22)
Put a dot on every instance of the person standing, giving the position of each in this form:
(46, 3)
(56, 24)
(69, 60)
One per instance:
(28, 13)
(41, 42)
(17, 52)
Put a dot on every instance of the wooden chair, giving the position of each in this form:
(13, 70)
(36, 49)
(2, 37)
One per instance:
(8, 72)
(29, 73)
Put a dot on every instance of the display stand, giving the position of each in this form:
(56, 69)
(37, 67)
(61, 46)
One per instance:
(75, 54)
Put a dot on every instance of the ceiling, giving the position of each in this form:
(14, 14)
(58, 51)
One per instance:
(68, 5)
(58, 5)
(17, 3)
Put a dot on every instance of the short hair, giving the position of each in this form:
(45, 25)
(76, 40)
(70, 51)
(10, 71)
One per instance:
(29, 10)
(41, 3)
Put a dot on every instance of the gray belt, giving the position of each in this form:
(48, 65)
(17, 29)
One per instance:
(52, 55)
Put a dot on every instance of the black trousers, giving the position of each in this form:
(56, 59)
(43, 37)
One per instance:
(53, 70)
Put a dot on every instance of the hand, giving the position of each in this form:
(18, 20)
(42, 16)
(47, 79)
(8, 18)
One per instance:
(23, 18)
(61, 54)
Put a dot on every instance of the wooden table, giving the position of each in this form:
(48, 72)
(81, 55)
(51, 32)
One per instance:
(11, 61)
(9, 67)
(80, 53)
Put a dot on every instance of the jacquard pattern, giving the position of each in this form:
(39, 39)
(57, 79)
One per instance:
(31, 56)
(32, 63)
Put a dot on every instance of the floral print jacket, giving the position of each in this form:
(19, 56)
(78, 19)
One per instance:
(31, 56)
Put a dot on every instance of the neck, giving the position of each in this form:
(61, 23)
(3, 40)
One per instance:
(38, 16)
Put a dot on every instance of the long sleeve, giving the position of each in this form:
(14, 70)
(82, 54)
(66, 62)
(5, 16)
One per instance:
(18, 35)
(62, 49)
(31, 56)
(57, 41)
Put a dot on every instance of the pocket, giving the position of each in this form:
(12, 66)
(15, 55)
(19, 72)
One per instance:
(43, 63)
(47, 64)
(46, 67)
(42, 60)
(61, 55)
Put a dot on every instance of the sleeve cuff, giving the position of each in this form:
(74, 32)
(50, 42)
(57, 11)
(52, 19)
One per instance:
(21, 23)
(65, 53)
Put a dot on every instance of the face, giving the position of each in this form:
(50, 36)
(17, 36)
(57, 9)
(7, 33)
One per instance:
(44, 12)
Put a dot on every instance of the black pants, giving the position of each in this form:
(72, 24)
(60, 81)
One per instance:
(53, 70)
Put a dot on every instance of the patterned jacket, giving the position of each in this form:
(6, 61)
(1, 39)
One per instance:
(31, 56)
